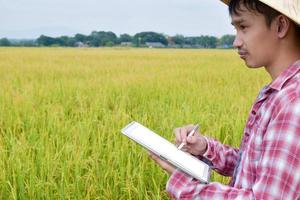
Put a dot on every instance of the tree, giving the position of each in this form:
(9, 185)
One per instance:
(143, 37)
(47, 41)
(5, 42)
(125, 38)
(207, 41)
(26, 43)
(226, 41)
(64, 40)
(102, 38)
(108, 38)
(178, 40)
(109, 44)
(81, 38)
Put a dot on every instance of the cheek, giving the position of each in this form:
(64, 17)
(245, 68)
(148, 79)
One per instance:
(260, 44)
(258, 52)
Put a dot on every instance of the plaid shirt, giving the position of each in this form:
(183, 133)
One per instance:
(267, 164)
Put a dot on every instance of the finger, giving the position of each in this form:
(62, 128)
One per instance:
(183, 134)
(155, 158)
(152, 155)
(184, 148)
(184, 131)
(192, 139)
(159, 161)
(163, 164)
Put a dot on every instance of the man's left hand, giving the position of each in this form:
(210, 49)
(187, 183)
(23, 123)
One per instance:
(163, 164)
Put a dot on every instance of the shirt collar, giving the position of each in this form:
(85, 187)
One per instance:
(287, 74)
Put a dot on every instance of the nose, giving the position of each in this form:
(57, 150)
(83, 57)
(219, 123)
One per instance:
(237, 43)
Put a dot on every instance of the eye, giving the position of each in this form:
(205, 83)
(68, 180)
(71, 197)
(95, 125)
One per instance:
(243, 27)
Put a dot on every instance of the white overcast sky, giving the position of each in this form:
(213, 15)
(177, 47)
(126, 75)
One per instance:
(31, 18)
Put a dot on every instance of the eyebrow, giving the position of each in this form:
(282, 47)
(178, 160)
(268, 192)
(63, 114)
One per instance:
(235, 22)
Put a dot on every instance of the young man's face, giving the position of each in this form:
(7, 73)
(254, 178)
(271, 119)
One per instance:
(254, 39)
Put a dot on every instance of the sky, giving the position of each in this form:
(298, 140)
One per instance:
(26, 19)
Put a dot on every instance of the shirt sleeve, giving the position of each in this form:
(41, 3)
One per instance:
(277, 172)
(182, 186)
(224, 158)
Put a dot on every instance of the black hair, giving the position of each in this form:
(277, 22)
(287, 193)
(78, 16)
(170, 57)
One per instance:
(255, 6)
(297, 29)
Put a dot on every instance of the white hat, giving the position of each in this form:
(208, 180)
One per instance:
(290, 8)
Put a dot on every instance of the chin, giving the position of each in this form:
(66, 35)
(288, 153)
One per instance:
(252, 65)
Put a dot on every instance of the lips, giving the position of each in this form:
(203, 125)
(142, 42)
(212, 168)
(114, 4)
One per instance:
(242, 54)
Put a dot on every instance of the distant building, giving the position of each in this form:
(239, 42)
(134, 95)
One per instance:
(81, 44)
(155, 45)
(126, 44)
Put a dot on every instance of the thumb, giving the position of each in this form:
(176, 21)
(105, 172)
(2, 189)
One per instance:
(191, 139)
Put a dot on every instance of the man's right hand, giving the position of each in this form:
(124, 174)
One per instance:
(195, 145)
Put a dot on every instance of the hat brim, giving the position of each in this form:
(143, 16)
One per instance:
(226, 1)
(293, 14)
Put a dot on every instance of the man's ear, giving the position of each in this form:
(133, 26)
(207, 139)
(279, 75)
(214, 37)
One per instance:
(283, 24)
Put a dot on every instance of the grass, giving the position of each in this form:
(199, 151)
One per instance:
(61, 111)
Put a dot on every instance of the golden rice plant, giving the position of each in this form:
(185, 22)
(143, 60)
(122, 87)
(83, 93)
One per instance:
(61, 111)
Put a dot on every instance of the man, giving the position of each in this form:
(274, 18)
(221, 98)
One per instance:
(267, 164)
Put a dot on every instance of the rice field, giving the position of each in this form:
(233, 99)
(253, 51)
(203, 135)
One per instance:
(62, 109)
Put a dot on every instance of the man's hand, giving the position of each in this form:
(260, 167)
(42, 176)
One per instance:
(195, 145)
(163, 164)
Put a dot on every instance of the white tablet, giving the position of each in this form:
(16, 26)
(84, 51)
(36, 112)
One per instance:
(168, 151)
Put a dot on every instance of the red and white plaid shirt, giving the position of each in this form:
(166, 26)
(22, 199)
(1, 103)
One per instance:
(267, 164)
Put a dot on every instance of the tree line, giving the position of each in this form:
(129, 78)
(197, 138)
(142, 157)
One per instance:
(110, 39)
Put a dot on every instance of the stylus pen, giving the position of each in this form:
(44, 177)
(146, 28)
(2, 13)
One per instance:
(189, 135)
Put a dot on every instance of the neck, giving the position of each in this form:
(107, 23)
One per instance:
(283, 60)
